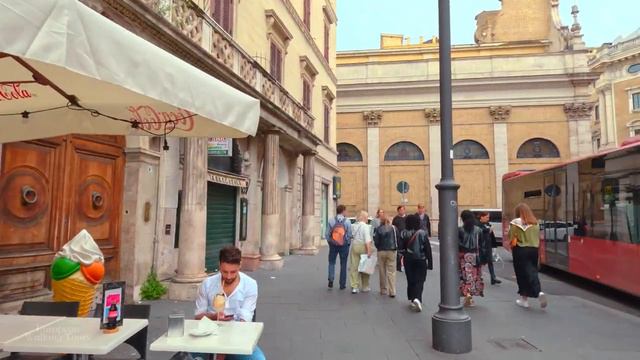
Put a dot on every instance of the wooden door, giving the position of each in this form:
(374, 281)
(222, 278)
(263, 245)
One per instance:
(95, 173)
(49, 190)
(29, 185)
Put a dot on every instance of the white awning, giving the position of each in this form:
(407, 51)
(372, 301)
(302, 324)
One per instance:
(66, 69)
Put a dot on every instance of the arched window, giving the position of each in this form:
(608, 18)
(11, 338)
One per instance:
(348, 152)
(469, 149)
(538, 148)
(403, 150)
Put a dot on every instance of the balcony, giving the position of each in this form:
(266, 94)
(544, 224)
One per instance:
(197, 25)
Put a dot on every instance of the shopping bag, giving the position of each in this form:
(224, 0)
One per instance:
(367, 264)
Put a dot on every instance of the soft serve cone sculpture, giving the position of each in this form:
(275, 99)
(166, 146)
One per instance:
(76, 271)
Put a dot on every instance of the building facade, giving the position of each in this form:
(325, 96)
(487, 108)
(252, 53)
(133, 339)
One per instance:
(172, 205)
(617, 91)
(521, 100)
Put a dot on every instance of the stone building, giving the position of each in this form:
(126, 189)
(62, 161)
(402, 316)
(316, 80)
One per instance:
(173, 209)
(617, 91)
(521, 100)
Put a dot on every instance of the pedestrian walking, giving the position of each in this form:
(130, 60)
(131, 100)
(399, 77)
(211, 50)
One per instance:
(524, 236)
(338, 236)
(361, 243)
(490, 243)
(386, 242)
(376, 222)
(425, 223)
(399, 221)
(469, 244)
(417, 260)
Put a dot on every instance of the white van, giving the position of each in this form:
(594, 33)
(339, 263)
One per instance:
(495, 219)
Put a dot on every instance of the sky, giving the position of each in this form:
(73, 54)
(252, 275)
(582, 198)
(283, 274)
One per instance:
(360, 22)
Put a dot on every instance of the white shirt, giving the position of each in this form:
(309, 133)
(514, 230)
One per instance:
(361, 233)
(241, 303)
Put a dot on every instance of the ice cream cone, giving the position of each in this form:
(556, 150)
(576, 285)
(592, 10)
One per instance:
(75, 288)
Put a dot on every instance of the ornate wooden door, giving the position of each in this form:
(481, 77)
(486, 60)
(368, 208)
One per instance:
(50, 189)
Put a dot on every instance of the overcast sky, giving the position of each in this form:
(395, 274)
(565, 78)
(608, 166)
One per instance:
(360, 22)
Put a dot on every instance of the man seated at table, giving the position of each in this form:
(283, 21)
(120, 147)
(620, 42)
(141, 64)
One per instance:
(240, 292)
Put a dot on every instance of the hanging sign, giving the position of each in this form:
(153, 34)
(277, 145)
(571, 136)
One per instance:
(219, 147)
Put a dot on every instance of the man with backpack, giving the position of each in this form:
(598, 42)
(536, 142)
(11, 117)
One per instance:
(338, 236)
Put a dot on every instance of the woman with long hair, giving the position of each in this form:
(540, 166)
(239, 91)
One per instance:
(524, 237)
(360, 244)
(417, 260)
(470, 241)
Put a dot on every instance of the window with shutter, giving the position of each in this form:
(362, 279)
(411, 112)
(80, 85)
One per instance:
(326, 41)
(307, 14)
(306, 94)
(276, 62)
(223, 14)
(327, 115)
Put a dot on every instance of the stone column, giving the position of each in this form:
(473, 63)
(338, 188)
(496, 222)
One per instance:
(500, 116)
(270, 260)
(309, 220)
(193, 221)
(251, 246)
(604, 134)
(138, 228)
(373, 119)
(579, 117)
(433, 119)
(612, 136)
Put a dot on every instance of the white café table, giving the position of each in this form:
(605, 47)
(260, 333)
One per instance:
(15, 326)
(232, 337)
(81, 336)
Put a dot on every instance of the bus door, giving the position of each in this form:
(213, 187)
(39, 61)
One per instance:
(564, 225)
(555, 224)
(548, 220)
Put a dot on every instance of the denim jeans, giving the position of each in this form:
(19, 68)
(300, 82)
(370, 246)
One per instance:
(334, 251)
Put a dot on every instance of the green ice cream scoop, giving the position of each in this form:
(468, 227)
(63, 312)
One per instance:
(63, 268)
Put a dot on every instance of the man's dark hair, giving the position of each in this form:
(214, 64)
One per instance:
(230, 255)
(340, 209)
(400, 207)
(413, 222)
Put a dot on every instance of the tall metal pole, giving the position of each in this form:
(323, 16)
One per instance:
(451, 326)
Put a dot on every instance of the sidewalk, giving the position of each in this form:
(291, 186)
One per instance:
(306, 321)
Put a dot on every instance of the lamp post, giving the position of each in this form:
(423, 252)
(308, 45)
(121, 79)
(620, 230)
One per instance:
(451, 325)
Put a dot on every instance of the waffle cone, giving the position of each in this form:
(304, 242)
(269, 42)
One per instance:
(75, 288)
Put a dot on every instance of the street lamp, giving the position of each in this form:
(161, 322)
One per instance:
(451, 325)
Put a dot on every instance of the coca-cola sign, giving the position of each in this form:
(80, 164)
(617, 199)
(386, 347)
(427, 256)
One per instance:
(13, 91)
(151, 119)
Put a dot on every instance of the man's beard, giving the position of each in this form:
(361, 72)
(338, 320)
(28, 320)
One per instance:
(229, 281)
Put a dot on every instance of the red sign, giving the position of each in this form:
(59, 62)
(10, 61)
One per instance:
(152, 119)
(13, 92)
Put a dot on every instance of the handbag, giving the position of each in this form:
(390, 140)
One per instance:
(367, 264)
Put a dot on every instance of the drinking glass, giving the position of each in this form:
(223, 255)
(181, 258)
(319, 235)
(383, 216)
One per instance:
(218, 305)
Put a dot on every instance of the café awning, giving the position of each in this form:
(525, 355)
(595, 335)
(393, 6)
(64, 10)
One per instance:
(65, 69)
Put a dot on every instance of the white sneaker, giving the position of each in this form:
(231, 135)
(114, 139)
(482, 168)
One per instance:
(366, 290)
(417, 304)
(354, 290)
(522, 303)
(413, 306)
(542, 297)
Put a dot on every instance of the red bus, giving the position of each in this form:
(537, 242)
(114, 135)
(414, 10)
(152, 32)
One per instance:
(589, 213)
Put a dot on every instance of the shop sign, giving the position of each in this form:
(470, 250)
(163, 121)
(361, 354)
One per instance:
(226, 180)
(219, 147)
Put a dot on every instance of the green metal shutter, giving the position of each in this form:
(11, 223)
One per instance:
(221, 221)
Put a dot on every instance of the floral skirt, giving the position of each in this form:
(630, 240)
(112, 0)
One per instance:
(470, 276)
